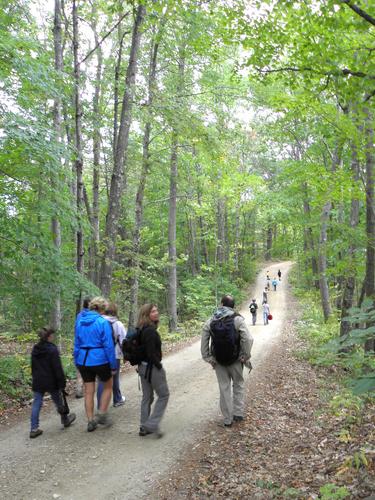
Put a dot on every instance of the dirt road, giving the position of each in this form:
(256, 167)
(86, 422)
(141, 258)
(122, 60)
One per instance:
(116, 463)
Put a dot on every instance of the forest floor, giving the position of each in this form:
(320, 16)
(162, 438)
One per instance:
(286, 447)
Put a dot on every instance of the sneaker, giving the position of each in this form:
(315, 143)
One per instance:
(143, 432)
(120, 403)
(237, 418)
(91, 426)
(228, 425)
(103, 419)
(67, 420)
(35, 433)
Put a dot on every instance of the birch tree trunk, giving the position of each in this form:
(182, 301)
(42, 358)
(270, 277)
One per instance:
(118, 176)
(55, 223)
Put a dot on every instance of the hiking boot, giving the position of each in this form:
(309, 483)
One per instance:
(66, 420)
(237, 418)
(228, 425)
(103, 419)
(35, 433)
(91, 426)
(143, 432)
(120, 403)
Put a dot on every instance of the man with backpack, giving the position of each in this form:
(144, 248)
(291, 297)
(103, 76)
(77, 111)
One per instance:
(253, 310)
(226, 344)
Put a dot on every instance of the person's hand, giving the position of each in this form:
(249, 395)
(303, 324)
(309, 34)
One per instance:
(213, 364)
(113, 372)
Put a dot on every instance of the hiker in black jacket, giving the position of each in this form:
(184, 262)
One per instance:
(47, 376)
(151, 371)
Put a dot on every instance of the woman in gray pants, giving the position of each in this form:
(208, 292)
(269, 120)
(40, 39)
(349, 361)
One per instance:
(151, 371)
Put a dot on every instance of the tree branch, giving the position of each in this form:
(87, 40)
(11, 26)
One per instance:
(345, 72)
(359, 11)
(104, 37)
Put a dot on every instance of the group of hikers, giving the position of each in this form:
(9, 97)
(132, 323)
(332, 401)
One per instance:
(253, 306)
(98, 341)
(101, 341)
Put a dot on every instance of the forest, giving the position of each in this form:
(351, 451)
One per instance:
(157, 151)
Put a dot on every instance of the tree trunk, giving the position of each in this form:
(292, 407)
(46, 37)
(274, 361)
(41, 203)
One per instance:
(237, 240)
(78, 149)
(172, 253)
(267, 255)
(221, 231)
(370, 218)
(134, 285)
(322, 245)
(309, 236)
(55, 223)
(93, 255)
(118, 175)
(349, 283)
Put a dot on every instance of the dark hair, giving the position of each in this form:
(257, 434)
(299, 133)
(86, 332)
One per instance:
(45, 332)
(86, 302)
(144, 316)
(112, 309)
(227, 301)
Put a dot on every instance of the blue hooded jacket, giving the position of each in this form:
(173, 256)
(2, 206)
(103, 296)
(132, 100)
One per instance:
(93, 343)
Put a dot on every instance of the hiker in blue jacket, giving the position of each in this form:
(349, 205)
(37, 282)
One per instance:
(94, 356)
(79, 381)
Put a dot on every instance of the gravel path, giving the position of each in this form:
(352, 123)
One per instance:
(116, 463)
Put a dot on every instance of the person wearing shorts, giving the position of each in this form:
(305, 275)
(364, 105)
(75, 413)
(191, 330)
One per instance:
(94, 356)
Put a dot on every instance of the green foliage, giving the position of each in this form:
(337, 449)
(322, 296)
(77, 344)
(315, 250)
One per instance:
(331, 491)
(346, 406)
(15, 376)
(325, 346)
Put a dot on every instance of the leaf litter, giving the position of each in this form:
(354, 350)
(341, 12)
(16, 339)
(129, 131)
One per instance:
(288, 446)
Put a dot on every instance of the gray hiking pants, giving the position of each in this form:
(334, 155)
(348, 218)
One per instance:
(231, 400)
(157, 383)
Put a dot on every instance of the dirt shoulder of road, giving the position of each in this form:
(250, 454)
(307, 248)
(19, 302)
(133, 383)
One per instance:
(287, 447)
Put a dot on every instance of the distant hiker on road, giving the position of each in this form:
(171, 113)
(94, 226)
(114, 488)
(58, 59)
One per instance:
(268, 281)
(118, 333)
(274, 284)
(279, 274)
(265, 297)
(226, 344)
(94, 356)
(151, 372)
(47, 376)
(266, 312)
(79, 381)
(253, 310)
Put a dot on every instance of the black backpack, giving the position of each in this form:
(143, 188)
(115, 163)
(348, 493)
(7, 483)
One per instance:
(225, 340)
(132, 348)
(253, 307)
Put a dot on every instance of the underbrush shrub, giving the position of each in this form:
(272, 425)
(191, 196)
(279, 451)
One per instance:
(325, 346)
